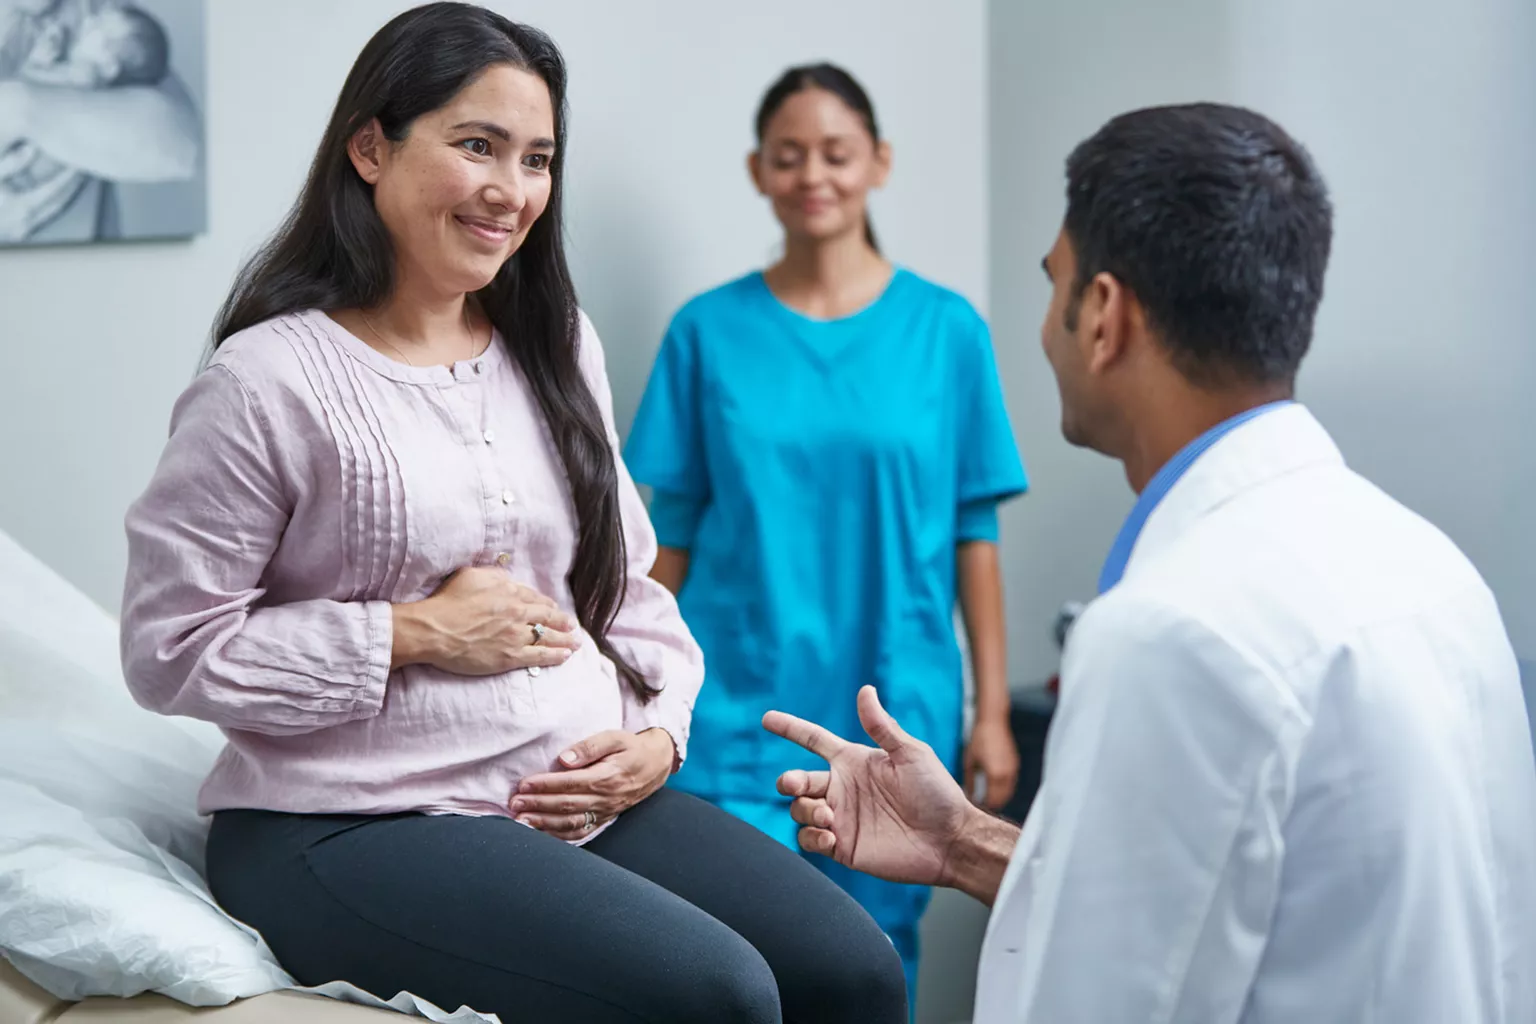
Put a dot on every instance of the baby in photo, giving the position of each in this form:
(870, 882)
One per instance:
(79, 44)
(96, 46)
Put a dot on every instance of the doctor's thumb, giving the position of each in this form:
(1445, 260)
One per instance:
(882, 728)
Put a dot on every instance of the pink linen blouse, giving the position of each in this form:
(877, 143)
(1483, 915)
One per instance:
(308, 483)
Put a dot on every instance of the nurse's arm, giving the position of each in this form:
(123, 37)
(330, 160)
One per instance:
(675, 518)
(991, 752)
(671, 568)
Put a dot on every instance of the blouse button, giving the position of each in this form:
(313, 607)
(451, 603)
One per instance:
(534, 670)
(507, 498)
(503, 558)
(490, 435)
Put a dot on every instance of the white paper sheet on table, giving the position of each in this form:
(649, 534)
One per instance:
(101, 849)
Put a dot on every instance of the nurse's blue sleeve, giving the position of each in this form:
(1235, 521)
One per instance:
(675, 518)
(666, 443)
(990, 468)
(977, 521)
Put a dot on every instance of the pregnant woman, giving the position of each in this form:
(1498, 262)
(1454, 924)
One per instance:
(392, 551)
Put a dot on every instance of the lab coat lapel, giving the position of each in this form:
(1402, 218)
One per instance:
(1257, 452)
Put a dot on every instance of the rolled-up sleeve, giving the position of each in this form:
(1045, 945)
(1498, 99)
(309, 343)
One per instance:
(197, 639)
(649, 630)
(991, 470)
(977, 521)
(675, 518)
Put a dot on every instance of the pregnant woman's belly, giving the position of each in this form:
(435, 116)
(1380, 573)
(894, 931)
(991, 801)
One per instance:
(440, 744)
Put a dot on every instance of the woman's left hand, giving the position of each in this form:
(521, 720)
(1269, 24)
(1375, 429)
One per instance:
(992, 755)
(604, 774)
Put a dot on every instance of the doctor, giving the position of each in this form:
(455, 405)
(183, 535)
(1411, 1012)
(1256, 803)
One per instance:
(1291, 777)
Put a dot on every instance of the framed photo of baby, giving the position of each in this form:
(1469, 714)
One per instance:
(101, 121)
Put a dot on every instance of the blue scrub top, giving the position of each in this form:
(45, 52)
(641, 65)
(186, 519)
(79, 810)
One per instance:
(820, 474)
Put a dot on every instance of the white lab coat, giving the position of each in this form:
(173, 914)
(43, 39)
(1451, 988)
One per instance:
(1290, 780)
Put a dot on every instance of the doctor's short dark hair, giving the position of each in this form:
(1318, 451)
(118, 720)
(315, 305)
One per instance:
(1218, 222)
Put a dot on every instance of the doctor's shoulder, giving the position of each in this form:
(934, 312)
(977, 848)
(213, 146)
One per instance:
(1258, 588)
(1152, 647)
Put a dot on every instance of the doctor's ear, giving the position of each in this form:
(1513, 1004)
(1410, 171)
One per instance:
(365, 151)
(1111, 319)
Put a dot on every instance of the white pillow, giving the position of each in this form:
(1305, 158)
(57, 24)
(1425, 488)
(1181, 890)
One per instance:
(101, 847)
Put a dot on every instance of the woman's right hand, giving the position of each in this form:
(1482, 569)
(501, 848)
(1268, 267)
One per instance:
(480, 623)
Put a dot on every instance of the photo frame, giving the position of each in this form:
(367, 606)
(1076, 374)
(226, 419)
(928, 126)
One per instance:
(101, 121)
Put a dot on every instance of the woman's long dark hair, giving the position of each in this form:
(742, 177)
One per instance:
(333, 252)
(835, 81)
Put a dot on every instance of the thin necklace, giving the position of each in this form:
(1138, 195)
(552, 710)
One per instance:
(474, 345)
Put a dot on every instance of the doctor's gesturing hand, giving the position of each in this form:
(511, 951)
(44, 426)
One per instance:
(892, 811)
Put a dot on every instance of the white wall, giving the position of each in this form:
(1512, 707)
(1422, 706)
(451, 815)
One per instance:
(99, 340)
(1422, 117)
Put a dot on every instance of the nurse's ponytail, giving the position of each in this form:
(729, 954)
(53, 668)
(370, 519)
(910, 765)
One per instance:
(840, 84)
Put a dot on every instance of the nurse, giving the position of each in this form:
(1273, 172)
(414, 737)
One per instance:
(827, 444)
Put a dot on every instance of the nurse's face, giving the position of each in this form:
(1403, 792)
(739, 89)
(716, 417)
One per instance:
(817, 165)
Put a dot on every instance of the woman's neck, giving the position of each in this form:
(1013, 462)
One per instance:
(418, 315)
(829, 278)
(426, 326)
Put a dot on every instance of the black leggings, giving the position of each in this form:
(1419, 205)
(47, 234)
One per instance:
(678, 913)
